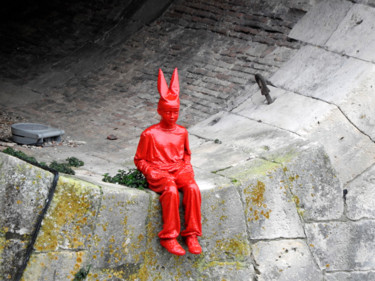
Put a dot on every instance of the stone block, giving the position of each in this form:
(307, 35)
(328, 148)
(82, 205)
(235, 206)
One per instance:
(224, 226)
(270, 210)
(360, 200)
(359, 105)
(286, 109)
(70, 219)
(222, 155)
(321, 74)
(342, 246)
(338, 135)
(285, 260)
(23, 192)
(315, 188)
(57, 266)
(337, 80)
(120, 232)
(351, 276)
(12, 256)
(317, 26)
(354, 36)
(252, 137)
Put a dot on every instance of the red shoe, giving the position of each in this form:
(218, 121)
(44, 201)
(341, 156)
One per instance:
(193, 245)
(172, 246)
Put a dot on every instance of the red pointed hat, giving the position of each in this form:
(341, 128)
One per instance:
(169, 96)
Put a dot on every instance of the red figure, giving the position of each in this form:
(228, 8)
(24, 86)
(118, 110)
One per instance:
(163, 156)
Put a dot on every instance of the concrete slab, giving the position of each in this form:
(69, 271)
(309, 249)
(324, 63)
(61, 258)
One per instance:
(48, 266)
(360, 199)
(225, 235)
(213, 157)
(24, 190)
(321, 74)
(344, 144)
(343, 246)
(118, 242)
(289, 111)
(351, 276)
(285, 260)
(360, 103)
(70, 219)
(252, 137)
(355, 35)
(315, 188)
(317, 26)
(12, 254)
(270, 211)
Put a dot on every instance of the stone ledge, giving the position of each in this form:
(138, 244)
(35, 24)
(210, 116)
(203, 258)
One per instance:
(113, 229)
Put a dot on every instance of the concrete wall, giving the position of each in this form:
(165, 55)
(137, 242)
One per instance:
(253, 212)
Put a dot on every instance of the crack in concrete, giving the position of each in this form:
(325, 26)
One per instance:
(268, 124)
(38, 225)
(333, 104)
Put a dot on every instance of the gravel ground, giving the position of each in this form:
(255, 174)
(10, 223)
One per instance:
(6, 121)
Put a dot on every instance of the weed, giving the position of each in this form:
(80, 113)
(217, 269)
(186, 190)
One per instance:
(81, 274)
(132, 178)
(74, 162)
(60, 167)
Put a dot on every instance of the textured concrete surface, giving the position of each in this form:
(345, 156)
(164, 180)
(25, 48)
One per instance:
(23, 193)
(248, 208)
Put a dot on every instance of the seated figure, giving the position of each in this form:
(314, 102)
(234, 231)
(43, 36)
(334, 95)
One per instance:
(163, 156)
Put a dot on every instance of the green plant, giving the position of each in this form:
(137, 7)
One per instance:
(81, 274)
(132, 178)
(60, 167)
(74, 162)
(20, 155)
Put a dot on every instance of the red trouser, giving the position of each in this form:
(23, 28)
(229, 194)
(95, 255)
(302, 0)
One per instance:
(170, 201)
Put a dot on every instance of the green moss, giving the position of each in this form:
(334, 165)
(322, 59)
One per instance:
(284, 157)
(236, 247)
(254, 169)
(238, 265)
(69, 213)
(2, 245)
(236, 250)
(149, 256)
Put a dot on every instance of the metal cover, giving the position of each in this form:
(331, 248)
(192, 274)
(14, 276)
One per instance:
(33, 133)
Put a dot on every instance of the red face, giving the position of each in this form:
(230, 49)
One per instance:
(169, 116)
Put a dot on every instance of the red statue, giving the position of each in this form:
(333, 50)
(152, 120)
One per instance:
(163, 156)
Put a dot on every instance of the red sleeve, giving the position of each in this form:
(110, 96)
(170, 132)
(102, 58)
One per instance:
(187, 154)
(140, 158)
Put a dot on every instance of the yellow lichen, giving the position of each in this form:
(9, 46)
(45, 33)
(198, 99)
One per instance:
(70, 208)
(254, 197)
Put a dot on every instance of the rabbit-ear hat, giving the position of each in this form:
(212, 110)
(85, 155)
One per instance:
(169, 96)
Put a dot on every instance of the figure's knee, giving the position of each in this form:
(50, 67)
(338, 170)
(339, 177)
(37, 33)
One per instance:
(170, 190)
(192, 187)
